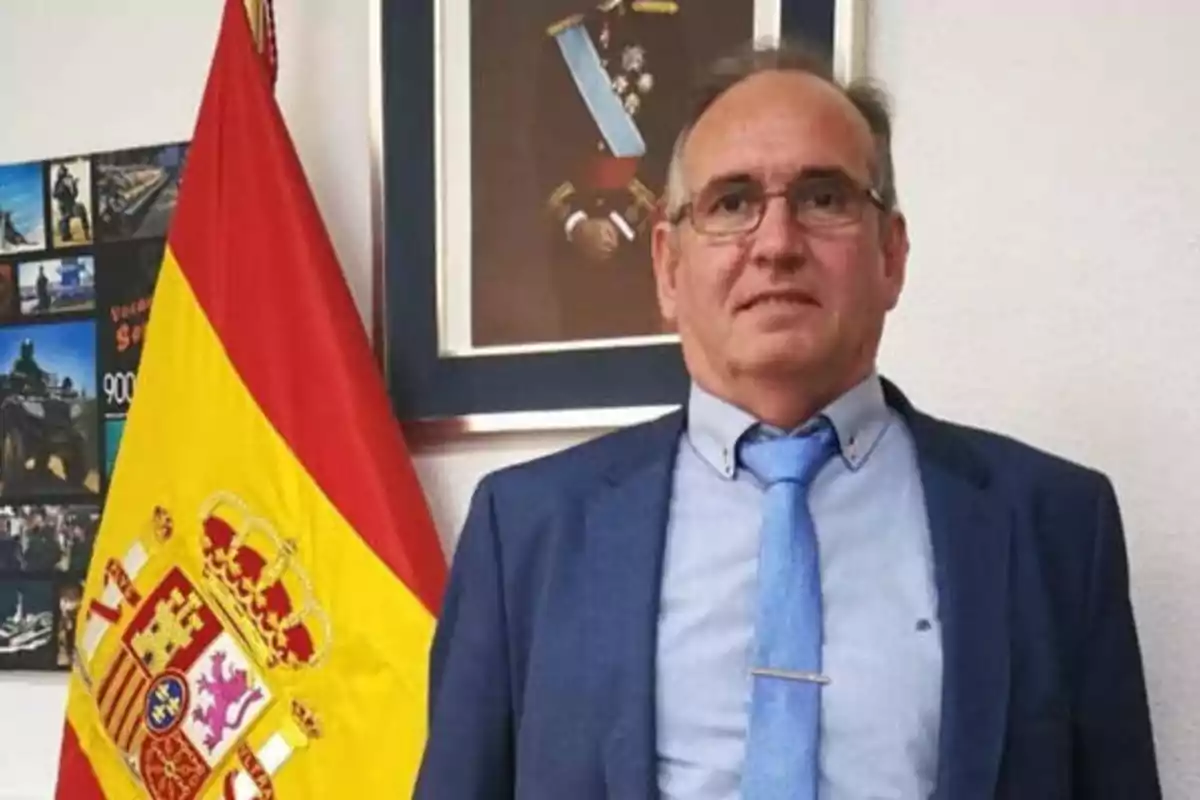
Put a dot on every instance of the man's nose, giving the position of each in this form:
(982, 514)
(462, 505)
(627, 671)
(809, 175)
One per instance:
(779, 239)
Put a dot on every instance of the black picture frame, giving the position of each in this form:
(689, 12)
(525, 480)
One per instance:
(570, 387)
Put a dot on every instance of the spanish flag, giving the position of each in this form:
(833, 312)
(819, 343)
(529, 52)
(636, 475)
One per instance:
(266, 577)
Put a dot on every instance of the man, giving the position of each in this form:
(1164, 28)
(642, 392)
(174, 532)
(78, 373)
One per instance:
(799, 586)
(66, 194)
(609, 83)
(26, 371)
(43, 289)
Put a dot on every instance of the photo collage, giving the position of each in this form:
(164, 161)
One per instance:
(81, 241)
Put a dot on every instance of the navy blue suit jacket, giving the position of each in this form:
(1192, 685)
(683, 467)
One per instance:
(542, 670)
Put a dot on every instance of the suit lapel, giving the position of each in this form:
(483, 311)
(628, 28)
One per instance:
(625, 531)
(971, 528)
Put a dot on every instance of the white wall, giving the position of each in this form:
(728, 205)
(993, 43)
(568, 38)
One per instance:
(1048, 155)
(1047, 158)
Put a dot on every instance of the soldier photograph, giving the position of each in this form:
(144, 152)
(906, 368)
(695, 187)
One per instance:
(48, 410)
(574, 110)
(48, 538)
(42, 548)
(136, 191)
(58, 285)
(26, 623)
(22, 200)
(71, 202)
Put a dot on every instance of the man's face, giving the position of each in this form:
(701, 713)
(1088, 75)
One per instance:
(782, 301)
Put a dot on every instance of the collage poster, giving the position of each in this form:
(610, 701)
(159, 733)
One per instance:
(81, 241)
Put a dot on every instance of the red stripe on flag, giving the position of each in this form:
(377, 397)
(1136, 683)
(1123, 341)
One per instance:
(76, 780)
(104, 612)
(123, 670)
(130, 714)
(249, 239)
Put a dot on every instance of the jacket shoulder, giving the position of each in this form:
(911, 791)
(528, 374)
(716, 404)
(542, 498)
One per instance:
(1049, 486)
(531, 505)
(529, 490)
(1010, 458)
(988, 455)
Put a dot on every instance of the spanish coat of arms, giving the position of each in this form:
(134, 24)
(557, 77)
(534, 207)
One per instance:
(187, 658)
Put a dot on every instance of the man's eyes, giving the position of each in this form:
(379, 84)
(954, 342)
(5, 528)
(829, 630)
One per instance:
(823, 196)
(731, 201)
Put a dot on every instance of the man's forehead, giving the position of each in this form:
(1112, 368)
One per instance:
(778, 122)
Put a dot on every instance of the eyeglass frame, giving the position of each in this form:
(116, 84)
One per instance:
(871, 193)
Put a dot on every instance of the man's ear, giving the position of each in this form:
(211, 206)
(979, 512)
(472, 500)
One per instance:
(895, 247)
(664, 245)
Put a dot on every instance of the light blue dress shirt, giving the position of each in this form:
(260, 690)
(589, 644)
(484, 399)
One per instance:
(882, 651)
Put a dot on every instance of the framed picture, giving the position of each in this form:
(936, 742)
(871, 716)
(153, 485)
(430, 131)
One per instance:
(519, 153)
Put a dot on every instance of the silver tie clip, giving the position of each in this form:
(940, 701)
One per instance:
(791, 675)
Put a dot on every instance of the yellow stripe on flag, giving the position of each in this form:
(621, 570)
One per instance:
(366, 697)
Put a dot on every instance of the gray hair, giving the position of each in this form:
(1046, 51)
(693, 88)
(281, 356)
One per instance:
(794, 56)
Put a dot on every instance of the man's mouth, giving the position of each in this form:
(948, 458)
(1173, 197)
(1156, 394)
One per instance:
(782, 298)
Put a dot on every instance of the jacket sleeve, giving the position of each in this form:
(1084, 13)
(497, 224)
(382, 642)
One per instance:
(1114, 744)
(469, 750)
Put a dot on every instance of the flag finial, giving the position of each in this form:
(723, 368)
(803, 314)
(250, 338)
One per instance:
(261, 16)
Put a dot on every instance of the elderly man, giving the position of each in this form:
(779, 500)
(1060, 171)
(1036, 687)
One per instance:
(799, 586)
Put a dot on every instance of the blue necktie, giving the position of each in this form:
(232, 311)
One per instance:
(783, 741)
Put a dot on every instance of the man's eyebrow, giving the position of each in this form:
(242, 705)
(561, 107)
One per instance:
(819, 172)
(731, 179)
(824, 173)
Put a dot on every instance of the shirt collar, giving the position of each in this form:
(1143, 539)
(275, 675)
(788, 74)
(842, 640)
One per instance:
(714, 428)
(859, 417)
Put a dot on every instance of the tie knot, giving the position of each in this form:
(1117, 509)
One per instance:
(795, 459)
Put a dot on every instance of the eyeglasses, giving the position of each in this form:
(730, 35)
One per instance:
(824, 200)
